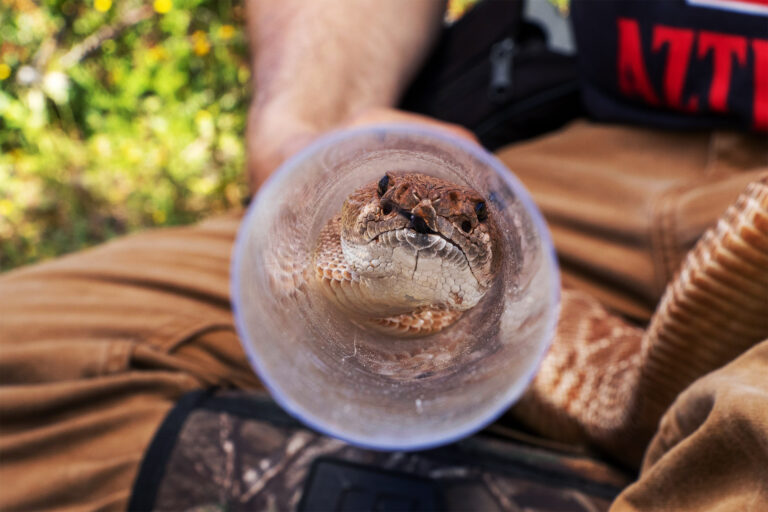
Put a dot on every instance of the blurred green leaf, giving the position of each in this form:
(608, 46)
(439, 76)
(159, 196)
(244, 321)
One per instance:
(144, 129)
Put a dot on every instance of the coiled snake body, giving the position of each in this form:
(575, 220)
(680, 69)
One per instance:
(410, 254)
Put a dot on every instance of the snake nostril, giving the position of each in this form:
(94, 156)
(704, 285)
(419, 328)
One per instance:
(466, 226)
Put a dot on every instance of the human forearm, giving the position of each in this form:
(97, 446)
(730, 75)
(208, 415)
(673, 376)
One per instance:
(319, 63)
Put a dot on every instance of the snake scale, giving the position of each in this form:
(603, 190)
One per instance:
(410, 254)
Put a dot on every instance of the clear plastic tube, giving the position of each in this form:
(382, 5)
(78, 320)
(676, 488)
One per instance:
(359, 385)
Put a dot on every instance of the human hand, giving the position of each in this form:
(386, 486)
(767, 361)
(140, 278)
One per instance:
(273, 139)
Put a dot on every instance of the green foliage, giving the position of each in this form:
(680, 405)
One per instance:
(104, 133)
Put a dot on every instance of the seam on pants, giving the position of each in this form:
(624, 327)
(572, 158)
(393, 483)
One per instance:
(178, 331)
(666, 254)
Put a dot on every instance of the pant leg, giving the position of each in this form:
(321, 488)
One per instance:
(711, 449)
(625, 204)
(96, 347)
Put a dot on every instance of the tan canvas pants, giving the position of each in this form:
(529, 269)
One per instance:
(626, 204)
(96, 347)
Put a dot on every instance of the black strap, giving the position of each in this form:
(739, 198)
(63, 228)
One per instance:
(153, 465)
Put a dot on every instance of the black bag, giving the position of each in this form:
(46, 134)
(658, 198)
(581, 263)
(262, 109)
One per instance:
(231, 451)
(493, 73)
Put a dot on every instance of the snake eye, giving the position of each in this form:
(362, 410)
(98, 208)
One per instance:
(383, 185)
(386, 209)
(466, 226)
(482, 211)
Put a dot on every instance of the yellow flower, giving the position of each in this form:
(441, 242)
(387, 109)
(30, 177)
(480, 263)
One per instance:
(157, 53)
(5, 71)
(102, 5)
(200, 43)
(457, 8)
(202, 47)
(226, 31)
(163, 6)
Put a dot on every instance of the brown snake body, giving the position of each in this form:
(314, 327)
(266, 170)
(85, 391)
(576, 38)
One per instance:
(410, 254)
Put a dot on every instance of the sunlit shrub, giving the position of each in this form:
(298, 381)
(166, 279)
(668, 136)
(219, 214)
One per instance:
(116, 116)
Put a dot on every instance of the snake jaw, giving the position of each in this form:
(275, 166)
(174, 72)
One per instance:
(433, 243)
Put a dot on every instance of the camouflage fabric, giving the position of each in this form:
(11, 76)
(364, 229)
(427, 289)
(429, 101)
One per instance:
(238, 451)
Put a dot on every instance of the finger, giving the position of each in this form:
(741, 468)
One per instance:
(388, 115)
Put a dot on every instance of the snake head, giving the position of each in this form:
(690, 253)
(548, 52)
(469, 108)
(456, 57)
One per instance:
(435, 239)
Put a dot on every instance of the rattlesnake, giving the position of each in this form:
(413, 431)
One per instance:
(410, 254)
